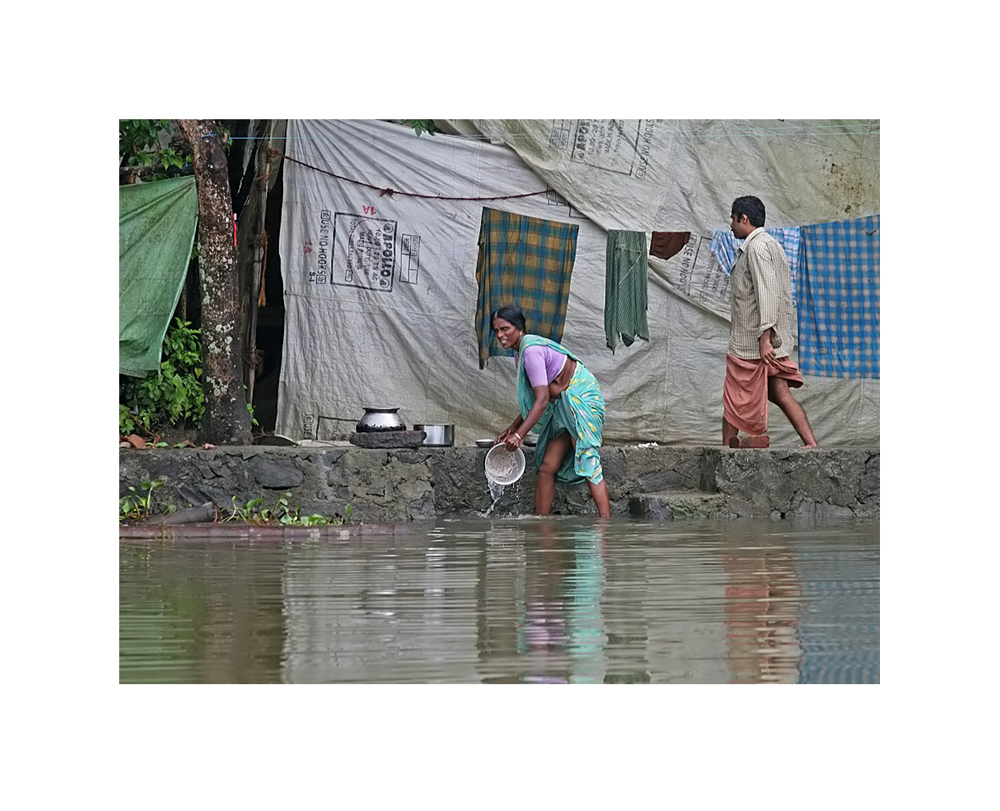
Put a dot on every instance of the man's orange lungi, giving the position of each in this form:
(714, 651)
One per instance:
(744, 394)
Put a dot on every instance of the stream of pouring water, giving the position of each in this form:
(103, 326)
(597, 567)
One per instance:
(496, 492)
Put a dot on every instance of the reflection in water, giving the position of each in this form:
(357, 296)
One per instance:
(530, 600)
(761, 609)
(835, 585)
(557, 610)
(192, 615)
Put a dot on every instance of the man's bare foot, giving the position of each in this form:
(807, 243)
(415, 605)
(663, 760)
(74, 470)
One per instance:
(762, 441)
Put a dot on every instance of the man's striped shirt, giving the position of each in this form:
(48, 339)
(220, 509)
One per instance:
(762, 297)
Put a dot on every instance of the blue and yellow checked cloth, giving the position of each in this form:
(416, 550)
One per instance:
(526, 262)
(839, 304)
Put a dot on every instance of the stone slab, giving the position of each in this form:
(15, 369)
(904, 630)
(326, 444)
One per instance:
(388, 439)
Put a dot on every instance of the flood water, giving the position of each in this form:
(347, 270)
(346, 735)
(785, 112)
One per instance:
(525, 600)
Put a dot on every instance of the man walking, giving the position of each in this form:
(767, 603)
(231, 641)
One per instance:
(758, 366)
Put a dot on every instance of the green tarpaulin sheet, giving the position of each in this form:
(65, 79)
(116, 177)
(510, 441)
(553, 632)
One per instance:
(156, 228)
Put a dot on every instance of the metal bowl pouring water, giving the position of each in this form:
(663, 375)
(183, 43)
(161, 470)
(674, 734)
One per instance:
(502, 466)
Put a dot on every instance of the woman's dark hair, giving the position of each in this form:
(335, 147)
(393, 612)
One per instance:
(512, 315)
(752, 207)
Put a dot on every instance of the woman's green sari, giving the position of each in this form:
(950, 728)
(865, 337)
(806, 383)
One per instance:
(579, 410)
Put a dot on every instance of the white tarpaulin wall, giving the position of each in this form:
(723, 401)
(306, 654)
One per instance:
(381, 292)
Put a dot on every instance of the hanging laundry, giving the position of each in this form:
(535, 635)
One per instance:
(665, 244)
(725, 247)
(625, 288)
(790, 239)
(839, 312)
(527, 262)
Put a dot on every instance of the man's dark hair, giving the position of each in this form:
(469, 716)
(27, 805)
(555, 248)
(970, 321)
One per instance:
(752, 207)
(512, 315)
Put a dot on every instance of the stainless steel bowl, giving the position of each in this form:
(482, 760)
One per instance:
(438, 435)
(380, 419)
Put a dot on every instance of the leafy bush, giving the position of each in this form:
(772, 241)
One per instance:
(421, 125)
(137, 506)
(254, 512)
(139, 147)
(174, 395)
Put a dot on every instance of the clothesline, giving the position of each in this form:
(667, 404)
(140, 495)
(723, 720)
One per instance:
(391, 192)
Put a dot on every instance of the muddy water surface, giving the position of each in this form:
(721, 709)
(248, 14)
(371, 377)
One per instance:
(533, 600)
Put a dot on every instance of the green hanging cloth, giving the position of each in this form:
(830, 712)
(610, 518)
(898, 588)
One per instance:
(156, 228)
(625, 288)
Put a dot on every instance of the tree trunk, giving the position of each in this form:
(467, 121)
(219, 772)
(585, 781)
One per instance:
(226, 420)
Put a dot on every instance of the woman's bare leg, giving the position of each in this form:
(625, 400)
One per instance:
(545, 483)
(599, 492)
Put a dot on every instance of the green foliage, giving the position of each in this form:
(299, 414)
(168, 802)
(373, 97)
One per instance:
(139, 148)
(174, 395)
(254, 512)
(421, 125)
(224, 134)
(139, 505)
(137, 137)
(126, 422)
(253, 419)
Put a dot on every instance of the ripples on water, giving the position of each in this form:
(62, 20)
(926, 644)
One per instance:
(518, 600)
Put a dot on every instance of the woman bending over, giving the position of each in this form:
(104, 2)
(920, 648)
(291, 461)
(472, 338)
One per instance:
(560, 398)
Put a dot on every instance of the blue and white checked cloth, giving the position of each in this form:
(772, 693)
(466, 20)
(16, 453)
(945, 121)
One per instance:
(724, 245)
(839, 309)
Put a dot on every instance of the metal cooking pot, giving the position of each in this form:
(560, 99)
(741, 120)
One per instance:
(380, 419)
(439, 435)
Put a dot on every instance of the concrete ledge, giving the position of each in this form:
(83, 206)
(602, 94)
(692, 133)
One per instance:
(400, 485)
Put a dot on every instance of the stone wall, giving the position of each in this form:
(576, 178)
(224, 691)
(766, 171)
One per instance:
(384, 486)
